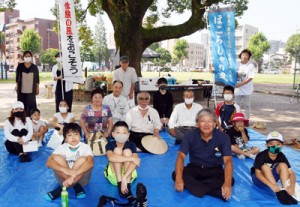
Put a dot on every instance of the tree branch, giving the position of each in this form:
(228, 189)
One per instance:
(85, 11)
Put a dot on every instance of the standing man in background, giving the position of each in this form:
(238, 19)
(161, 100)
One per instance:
(128, 77)
(244, 86)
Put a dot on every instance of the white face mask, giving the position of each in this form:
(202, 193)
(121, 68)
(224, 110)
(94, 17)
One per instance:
(143, 109)
(58, 60)
(121, 138)
(74, 146)
(27, 59)
(188, 100)
(36, 121)
(62, 109)
(228, 97)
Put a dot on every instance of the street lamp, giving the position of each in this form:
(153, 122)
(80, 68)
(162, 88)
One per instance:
(296, 70)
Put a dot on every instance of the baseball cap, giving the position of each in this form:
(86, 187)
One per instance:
(124, 58)
(275, 136)
(18, 104)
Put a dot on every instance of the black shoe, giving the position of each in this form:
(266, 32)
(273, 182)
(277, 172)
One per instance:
(141, 196)
(285, 198)
(27, 158)
(22, 158)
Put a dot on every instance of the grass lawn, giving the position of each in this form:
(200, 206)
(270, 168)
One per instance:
(180, 76)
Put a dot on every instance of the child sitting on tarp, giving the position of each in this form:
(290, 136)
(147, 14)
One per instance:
(271, 165)
(239, 138)
(39, 126)
(123, 160)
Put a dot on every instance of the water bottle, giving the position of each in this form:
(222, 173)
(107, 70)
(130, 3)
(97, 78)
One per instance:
(64, 197)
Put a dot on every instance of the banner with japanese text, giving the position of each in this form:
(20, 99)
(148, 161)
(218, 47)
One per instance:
(222, 33)
(69, 42)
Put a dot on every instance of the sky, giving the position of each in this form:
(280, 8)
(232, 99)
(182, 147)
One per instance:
(277, 19)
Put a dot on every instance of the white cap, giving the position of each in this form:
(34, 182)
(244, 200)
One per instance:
(18, 104)
(275, 136)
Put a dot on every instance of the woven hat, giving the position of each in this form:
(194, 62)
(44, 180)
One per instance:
(239, 117)
(154, 145)
(275, 136)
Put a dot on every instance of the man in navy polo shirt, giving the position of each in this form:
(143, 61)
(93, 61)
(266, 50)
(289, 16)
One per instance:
(209, 149)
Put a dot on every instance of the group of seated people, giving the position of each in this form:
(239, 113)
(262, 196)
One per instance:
(210, 150)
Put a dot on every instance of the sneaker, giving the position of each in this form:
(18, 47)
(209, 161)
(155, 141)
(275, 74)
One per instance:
(141, 196)
(252, 156)
(22, 158)
(241, 157)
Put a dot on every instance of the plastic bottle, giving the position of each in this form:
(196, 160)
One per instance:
(64, 197)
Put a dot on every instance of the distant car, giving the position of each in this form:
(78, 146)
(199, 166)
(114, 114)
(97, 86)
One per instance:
(12, 69)
(270, 71)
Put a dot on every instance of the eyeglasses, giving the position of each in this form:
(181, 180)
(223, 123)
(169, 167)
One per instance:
(144, 99)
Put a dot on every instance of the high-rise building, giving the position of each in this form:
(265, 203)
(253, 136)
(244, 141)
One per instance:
(243, 33)
(276, 45)
(14, 29)
(196, 56)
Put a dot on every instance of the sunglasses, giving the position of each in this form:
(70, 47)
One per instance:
(142, 98)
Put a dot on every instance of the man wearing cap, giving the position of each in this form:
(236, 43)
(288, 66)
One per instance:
(272, 165)
(128, 77)
(239, 137)
(143, 120)
(117, 103)
(183, 116)
(209, 150)
(63, 89)
(244, 86)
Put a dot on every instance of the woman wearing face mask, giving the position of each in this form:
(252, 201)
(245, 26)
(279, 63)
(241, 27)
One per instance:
(226, 110)
(163, 101)
(63, 89)
(123, 160)
(62, 117)
(27, 82)
(17, 131)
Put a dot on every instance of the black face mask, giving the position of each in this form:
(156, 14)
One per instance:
(162, 87)
(18, 114)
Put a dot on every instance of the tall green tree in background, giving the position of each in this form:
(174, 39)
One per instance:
(258, 45)
(165, 57)
(293, 45)
(135, 22)
(48, 56)
(180, 50)
(86, 37)
(100, 49)
(30, 40)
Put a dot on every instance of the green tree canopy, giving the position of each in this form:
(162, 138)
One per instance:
(48, 56)
(293, 45)
(180, 50)
(7, 4)
(30, 40)
(258, 45)
(134, 22)
(165, 57)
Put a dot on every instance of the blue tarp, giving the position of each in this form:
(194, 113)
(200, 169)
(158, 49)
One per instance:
(24, 184)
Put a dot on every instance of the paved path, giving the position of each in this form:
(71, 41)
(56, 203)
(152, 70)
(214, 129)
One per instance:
(270, 103)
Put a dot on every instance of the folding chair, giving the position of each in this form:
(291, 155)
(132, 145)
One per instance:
(296, 93)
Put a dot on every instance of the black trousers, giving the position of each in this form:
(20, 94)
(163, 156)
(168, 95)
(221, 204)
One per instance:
(29, 101)
(136, 138)
(13, 147)
(68, 97)
(202, 180)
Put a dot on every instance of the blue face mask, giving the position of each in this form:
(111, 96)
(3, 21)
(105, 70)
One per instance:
(274, 149)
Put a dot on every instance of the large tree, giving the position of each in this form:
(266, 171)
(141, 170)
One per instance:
(258, 45)
(135, 31)
(293, 45)
(7, 4)
(48, 56)
(165, 57)
(30, 40)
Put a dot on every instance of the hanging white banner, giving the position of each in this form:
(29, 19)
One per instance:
(69, 42)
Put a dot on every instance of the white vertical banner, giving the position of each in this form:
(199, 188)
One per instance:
(69, 42)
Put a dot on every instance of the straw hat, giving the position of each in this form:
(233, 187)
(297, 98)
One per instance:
(154, 145)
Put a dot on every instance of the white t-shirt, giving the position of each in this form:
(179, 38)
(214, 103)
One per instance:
(36, 126)
(127, 77)
(18, 124)
(244, 72)
(60, 118)
(146, 124)
(71, 156)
